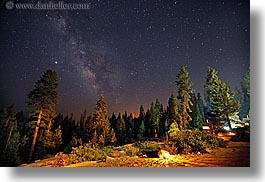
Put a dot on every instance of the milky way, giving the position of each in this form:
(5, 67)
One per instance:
(89, 57)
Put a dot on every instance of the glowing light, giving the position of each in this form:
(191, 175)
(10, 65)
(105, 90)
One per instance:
(231, 133)
(206, 127)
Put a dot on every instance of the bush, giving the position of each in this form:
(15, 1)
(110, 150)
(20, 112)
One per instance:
(147, 146)
(187, 141)
(83, 153)
(170, 147)
(89, 153)
(61, 159)
(130, 150)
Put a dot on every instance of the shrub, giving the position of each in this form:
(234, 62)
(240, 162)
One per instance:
(170, 147)
(147, 146)
(61, 159)
(187, 141)
(130, 150)
(88, 153)
(83, 153)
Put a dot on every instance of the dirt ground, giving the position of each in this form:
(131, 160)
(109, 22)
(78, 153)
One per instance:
(236, 154)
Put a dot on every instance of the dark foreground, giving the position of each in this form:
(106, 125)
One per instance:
(236, 154)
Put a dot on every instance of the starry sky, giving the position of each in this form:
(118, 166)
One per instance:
(130, 51)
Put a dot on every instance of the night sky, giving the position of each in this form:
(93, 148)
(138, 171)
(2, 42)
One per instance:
(129, 50)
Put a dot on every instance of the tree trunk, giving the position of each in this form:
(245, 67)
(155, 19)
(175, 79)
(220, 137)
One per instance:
(35, 136)
(229, 123)
(9, 136)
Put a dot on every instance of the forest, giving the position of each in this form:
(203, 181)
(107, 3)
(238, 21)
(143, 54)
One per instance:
(42, 132)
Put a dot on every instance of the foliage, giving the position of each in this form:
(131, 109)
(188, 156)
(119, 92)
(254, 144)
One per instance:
(197, 112)
(172, 110)
(9, 137)
(157, 116)
(220, 100)
(61, 159)
(82, 153)
(141, 131)
(146, 146)
(170, 147)
(100, 125)
(173, 130)
(243, 94)
(184, 94)
(130, 150)
(73, 143)
(247, 80)
(120, 130)
(41, 103)
(195, 140)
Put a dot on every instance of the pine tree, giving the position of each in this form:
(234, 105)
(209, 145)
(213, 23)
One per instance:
(113, 120)
(220, 99)
(211, 87)
(226, 103)
(157, 116)
(197, 112)
(113, 138)
(141, 119)
(242, 95)
(198, 117)
(129, 128)
(172, 111)
(41, 102)
(141, 131)
(100, 122)
(246, 95)
(184, 94)
(9, 138)
(148, 123)
(247, 80)
(201, 106)
(120, 130)
(173, 130)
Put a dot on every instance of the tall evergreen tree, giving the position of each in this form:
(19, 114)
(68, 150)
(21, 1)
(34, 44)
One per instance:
(113, 120)
(226, 103)
(141, 119)
(148, 123)
(120, 130)
(9, 138)
(200, 105)
(220, 99)
(100, 125)
(129, 128)
(141, 130)
(197, 112)
(211, 87)
(246, 97)
(157, 116)
(184, 94)
(247, 80)
(172, 110)
(242, 95)
(41, 102)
